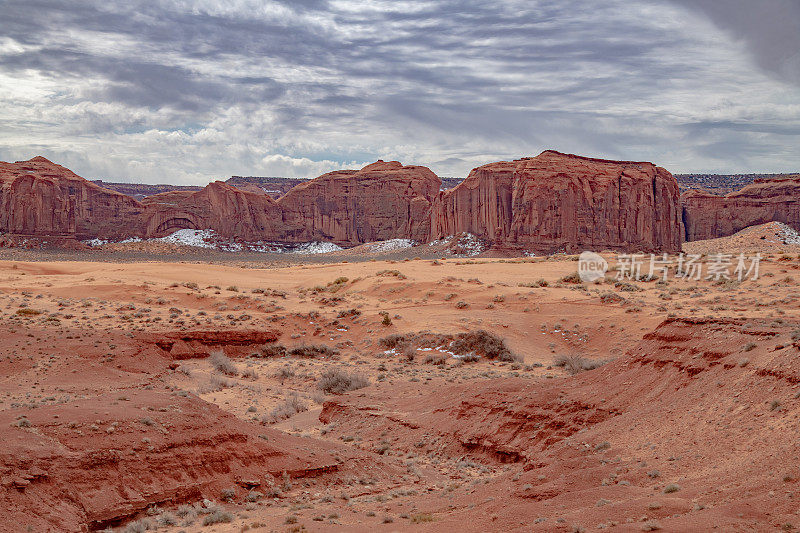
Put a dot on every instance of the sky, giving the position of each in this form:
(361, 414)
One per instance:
(174, 91)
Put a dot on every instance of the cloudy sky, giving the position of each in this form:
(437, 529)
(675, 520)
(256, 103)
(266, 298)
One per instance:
(175, 91)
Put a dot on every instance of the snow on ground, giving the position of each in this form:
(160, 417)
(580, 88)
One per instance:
(316, 248)
(787, 234)
(206, 238)
(462, 244)
(191, 237)
(390, 245)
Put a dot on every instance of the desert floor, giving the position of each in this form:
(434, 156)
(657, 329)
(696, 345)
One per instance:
(112, 369)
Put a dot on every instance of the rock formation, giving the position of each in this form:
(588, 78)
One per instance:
(561, 202)
(552, 202)
(384, 200)
(227, 210)
(707, 216)
(40, 198)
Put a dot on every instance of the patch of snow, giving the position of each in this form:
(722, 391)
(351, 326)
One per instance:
(390, 245)
(206, 238)
(787, 234)
(316, 248)
(471, 244)
(463, 244)
(190, 237)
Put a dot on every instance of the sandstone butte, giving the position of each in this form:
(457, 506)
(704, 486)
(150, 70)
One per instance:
(552, 202)
(707, 216)
(562, 202)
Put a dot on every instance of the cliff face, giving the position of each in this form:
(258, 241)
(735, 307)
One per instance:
(225, 209)
(707, 216)
(561, 202)
(40, 198)
(552, 202)
(481, 204)
(384, 200)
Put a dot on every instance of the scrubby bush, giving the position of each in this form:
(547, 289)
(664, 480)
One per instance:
(483, 343)
(222, 363)
(392, 341)
(577, 363)
(313, 350)
(214, 384)
(290, 407)
(571, 278)
(217, 517)
(275, 350)
(338, 381)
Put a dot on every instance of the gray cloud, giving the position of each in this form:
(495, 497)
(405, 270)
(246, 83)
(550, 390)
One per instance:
(159, 91)
(771, 29)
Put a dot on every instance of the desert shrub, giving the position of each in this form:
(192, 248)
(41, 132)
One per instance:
(28, 312)
(396, 273)
(387, 320)
(274, 350)
(222, 363)
(749, 346)
(392, 341)
(338, 381)
(462, 305)
(215, 383)
(571, 278)
(350, 312)
(285, 373)
(577, 363)
(611, 297)
(626, 286)
(228, 495)
(436, 359)
(672, 487)
(409, 353)
(217, 517)
(482, 343)
(422, 518)
(541, 282)
(313, 350)
(290, 407)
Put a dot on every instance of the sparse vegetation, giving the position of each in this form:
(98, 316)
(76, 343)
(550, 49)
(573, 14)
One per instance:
(577, 363)
(337, 381)
(313, 350)
(288, 408)
(483, 343)
(222, 363)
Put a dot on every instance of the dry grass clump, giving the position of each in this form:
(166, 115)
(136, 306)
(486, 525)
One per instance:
(275, 350)
(396, 273)
(290, 407)
(222, 363)
(571, 278)
(541, 282)
(337, 381)
(313, 350)
(483, 343)
(472, 345)
(577, 363)
(215, 383)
